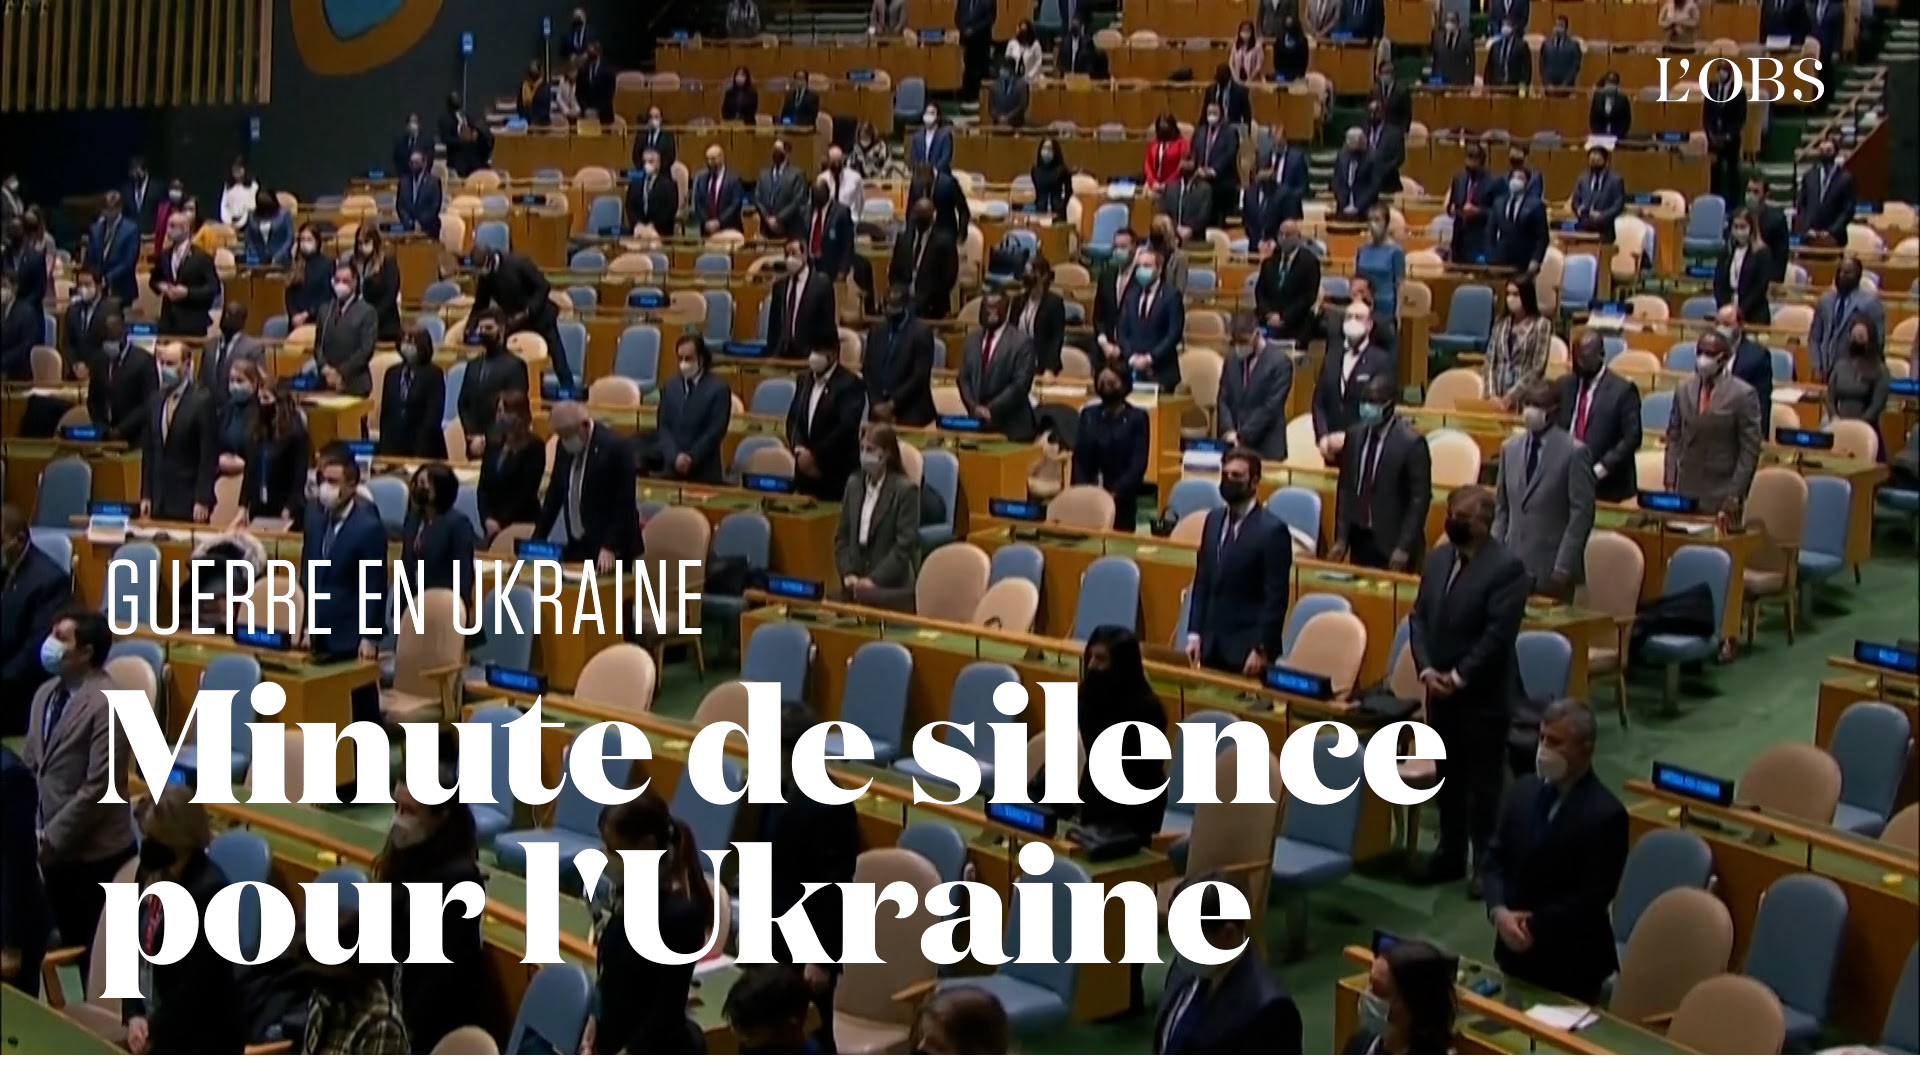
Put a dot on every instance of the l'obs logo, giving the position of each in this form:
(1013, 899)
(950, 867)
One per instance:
(1722, 79)
(349, 37)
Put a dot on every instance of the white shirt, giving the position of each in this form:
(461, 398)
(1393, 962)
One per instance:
(866, 509)
(1027, 60)
(1733, 267)
(236, 203)
(1347, 363)
(848, 191)
(813, 399)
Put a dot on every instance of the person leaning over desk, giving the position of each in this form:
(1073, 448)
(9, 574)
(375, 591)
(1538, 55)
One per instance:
(876, 544)
(1238, 604)
(591, 491)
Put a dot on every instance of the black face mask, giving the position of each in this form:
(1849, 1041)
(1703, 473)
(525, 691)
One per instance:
(1459, 532)
(421, 497)
(1236, 491)
(896, 313)
(155, 855)
(490, 341)
(1588, 368)
(1113, 395)
(232, 327)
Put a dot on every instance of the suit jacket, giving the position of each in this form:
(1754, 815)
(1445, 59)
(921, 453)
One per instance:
(1219, 149)
(1610, 114)
(21, 327)
(1236, 105)
(1396, 102)
(897, 362)
(1753, 365)
(1601, 197)
(80, 330)
(1518, 11)
(661, 141)
(1563, 868)
(1354, 185)
(1048, 329)
(799, 108)
(1560, 61)
(1107, 288)
(519, 289)
(780, 196)
(1770, 225)
(891, 550)
(797, 326)
(1472, 236)
(1750, 292)
(609, 515)
(1154, 330)
(418, 203)
(811, 843)
(217, 359)
(1290, 167)
(509, 487)
(404, 148)
(1336, 398)
(1725, 123)
(1395, 510)
(931, 148)
(1290, 293)
(1825, 201)
(1386, 152)
(1003, 382)
(1518, 242)
(950, 209)
(1007, 101)
(271, 248)
(26, 920)
(113, 252)
(1711, 456)
(1468, 629)
(345, 341)
(657, 206)
(693, 421)
(1509, 63)
(178, 467)
(486, 378)
(1453, 61)
(1545, 518)
(1189, 203)
(438, 553)
(202, 979)
(1833, 314)
(32, 596)
(1253, 400)
(715, 198)
(70, 769)
(1612, 435)
(275, 480)
(1239, 598)
(1248, 1013)
(937, 270)
(141, 202)
(835, 256)
(639, 1001)
(1110, 452)
(413, 399)
(189, 316)
(121, 394)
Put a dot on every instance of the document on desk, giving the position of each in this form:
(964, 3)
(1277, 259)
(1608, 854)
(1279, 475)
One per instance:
(1787, 395)
(1563, 1017)
(1690, 528)
(333, 401)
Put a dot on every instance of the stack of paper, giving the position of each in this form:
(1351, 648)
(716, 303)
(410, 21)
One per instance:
(1563, 1017)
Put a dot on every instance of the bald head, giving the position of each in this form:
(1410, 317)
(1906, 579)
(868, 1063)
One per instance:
(571, 424)
(1728, 320)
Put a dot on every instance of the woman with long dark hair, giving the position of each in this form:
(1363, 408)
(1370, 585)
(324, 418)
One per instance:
(1410, 1003)
(193, 1005)
(435, 845)
(435, 538)
(310, 280)
(511, 466)
(274, 472)
(413, 399)
(1113, 691)
(642, 1006)
(379, 278)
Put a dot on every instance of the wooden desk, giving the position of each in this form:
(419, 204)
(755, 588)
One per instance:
(317, 692)
(1881, 884)
(31, 1026)
(1851, 683)
(941, 650)
(991, 467)
(936, 62)
(116, 469)
(17, 397)
(802, 528)
(1381, 599)
(1501, 1025)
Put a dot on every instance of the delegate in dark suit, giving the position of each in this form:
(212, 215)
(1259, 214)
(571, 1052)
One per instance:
(433, 550)
(1338, 390)
(717, 197)
(113, 252)
(1152, 320)
(1290, 168)
(509, 489)
(34, 590)
(1509, 63)
(1252, 405)
(200, 980)
(1285, 291)
(1753, 365)
(1385, 488)
(801, 315)
(1603, 412)
(1110, 450)
(179, 461)
(1189, 202)
(418, 203)
(26, 920)
(271, 245)
(1044, 318)
(1749, 292)
(488, 376)
(21, 327)
(1240, 577)
(80, 331)
(927, 262)
(897, 362)
(413, 399)
(693, 421)
(1452, 61)
(343, 543)
(1825, 200)
(1519, 234)
(653, 201)
(608, 521)
(1771, 227)
(660, 141)
(1560, 57)
(1462, 628)
(1217, 147)
(1543, 505)
(833, 225)
(780, 196)
(950, 209)
(1247, 1012)
(121, 391)
(1598, 198)
(1725, 125)
(190, 315)
(932, 147)
(523, 294)
(218, 358)
(410, 142)
(1386, 152)
(887, 554)
(345, 341)
(1610, 114)
(1354, 186)
(1558, 857)
(1472, 233)
(811, 843)
(996, 371)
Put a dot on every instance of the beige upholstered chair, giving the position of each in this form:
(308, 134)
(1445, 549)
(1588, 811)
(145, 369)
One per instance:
(428, 663)
(1683, 938)
(867, 1018)
(1730, 1014)
(1616, 569)
(1456, 457)
(469, 1041)
(1332, 645)
(1008, 605)
(1082, 506)
(952, 582)
(619, 678)
(1796, 779)
(1455, 385)
(1777, 509)
(676, 535)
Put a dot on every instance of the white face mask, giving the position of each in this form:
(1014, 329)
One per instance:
(1514, 305)
(1707, 366)
(328, 494)
(409, 830)
(688, 369)
(1535, 418)
(1373, 1012)
(342, 290)
(817, 363)
(1355, 330)
(931, 118)
(1549, 765)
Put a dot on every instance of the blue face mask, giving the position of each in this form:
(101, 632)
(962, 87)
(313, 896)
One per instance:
(53, 653)
(1143, 275)
(169, 377)
(1371, 413)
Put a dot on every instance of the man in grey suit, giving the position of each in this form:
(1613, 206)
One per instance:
(1713, 433)
(996, 373)
(83, 842)
(1189, 202)
(343, 343)
(1252, 406)
(1833, 317)
(1543, 502)
(1599, 194)
(780, 195)
(876, 547)
(230, 344)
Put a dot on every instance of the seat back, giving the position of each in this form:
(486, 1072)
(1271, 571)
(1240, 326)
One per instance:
(1304, 609)
(1871, 743)
(1698, 564)
(883, 670)
(1060, 977)
(1829, 506)
(469, 1041)
(1902, 1029)
(1009, 605)
(1017, 560)
(1082, 506)
(711, 823)
(1109, 596)
(1797, 779)
(620, 678)
(1333, 645)
(509, 640)
(430, 645)
(1777, 505)
(240, 673)
(1661, 861)
(952, 580)
(867, 990)
(1683, 937)
(940, 844)
(1193, 494)
(553, 1014)
(1331, 826)
(972, 703)
(1795, 944)
(131, 593)
(1729, 1014)
(243, 856)
(1545, 659)
(1299, 508)
(780, 653)
(1903, 830)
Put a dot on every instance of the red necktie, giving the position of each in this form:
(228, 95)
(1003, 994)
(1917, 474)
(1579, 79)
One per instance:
(819, 224)
(986, 351)
(1706, 396)
(1581, 408)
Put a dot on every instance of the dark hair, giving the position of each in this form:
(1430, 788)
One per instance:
(488, 314)
(1529, 295)
(971, 1021)
(515, 403)
(442, 486)
(339, 453)
(647, 823)
(1041, 267)
(1126, 231)
(1211, 906)
(422, 342)
(1241, 453)
(767, 995)
(454, 839)
(700, 351)
(1423, 980)
(369, 233)
(90, 630)
(887, 441)
(285, 417)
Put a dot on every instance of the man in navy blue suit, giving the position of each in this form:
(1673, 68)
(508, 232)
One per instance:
(113, 250)
(418, 203)
(344, 531)
(1519, 227)
(1152, 320)
(695, 406)
(1237, 610)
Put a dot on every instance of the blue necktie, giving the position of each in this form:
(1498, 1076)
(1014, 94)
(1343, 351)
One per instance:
(1543, 804)
(1187, 1021)
(56, 705)
(1533, 456)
